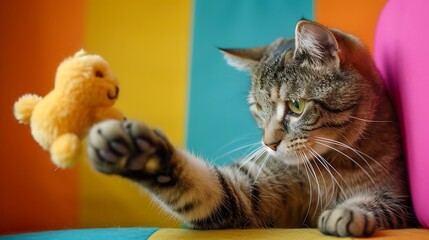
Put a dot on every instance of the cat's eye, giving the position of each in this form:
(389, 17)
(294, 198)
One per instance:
(296, 105)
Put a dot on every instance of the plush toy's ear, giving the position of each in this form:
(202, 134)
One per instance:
(80, 53)
(243, 59)
(315, 43)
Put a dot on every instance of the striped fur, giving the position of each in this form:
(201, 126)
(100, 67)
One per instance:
(337, 165)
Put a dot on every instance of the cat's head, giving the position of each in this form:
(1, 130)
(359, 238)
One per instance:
(309, 91)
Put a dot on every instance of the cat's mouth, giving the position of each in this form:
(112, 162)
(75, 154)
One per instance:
(292, 152)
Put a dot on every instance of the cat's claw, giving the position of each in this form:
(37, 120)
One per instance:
(343, 222)
(128, 148)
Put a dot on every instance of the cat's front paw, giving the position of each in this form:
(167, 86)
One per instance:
(344, 222)
(130, 149)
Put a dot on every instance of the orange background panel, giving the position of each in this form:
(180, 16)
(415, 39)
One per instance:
(356, 17)
(35, 37)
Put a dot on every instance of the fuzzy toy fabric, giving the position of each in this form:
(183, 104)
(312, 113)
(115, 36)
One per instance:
(84, 93)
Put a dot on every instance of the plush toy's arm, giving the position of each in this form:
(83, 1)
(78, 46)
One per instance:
(23, 108)
(109, 113)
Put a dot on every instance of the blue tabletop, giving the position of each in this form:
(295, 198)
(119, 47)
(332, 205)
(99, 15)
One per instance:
(87, 234)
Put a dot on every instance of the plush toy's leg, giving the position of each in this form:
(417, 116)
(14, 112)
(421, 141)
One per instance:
(66, 150)
(24, 107)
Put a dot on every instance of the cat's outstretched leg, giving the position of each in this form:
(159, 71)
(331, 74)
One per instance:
(197, 193)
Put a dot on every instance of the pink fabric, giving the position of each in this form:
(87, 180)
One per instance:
(402, 55)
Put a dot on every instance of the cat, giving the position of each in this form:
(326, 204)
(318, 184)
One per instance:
(331, 156)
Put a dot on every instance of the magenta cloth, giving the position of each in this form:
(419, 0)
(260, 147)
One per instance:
(402, 56)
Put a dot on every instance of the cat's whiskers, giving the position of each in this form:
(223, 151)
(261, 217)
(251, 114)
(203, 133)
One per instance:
(394, 210)
(358, 152)
(255, 154)
(264, 161)
(333, 179)
(310, 186)
(350, 158)
(309, 149)
(237, 149)
(361, 154)
(323, 178)
(238, 139)
(325, 163)
(370, 121)
(338, 143)
(313, 172)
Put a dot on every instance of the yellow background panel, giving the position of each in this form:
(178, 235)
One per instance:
(147, 46)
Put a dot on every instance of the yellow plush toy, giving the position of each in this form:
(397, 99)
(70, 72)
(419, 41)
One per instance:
(84, 93)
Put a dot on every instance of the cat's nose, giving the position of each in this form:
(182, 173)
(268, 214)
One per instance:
(272, 145)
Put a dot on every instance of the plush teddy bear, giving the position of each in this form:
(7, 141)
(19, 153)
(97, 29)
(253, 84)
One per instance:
(84, 93)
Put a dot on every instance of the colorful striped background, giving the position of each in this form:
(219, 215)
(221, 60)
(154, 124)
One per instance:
(171, 76)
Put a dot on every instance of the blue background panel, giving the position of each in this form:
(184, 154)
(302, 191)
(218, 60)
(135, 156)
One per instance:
(218, 119)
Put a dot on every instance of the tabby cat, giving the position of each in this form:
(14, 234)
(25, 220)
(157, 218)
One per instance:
(331, 155)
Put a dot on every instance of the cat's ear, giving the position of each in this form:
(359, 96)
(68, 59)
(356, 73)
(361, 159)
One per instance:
(243, 59)
(315, 43)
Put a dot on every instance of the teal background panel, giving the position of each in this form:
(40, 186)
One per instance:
(219, 121)
(87, 234)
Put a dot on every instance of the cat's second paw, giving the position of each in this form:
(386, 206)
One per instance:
(344, 222)
(130, 149)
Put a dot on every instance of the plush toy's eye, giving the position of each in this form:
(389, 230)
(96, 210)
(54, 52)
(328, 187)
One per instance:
(99, 74)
